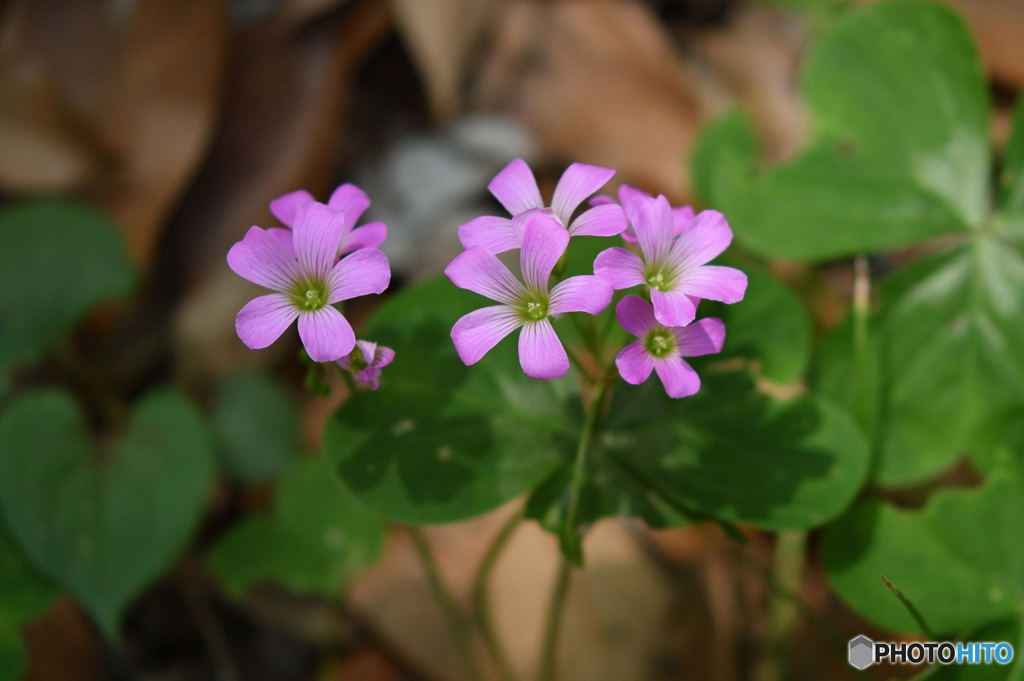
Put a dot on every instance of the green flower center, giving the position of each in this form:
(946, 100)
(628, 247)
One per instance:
(660, 342)
(534, 308)
(658, 280)
(309, 296)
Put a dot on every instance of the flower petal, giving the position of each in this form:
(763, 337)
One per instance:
(493, 234)
(628, 192)
(352, 201)
(326, 334)
(673, 308)
(516, 188)
(681, 219)
(584, 293)
(577, 183)
(481, 272)
(318, 230)
(634, 363)
(285, 236)
(544, 242)
(599, 221)
(635, 315)
(358, 274)
(262, 259)
(701, 240)
(383, 356)
(678, 377)
(370, 235)
(264, 319)
(620, 267)
(480, 330)
(714, 282)
(285, 207)
(652, 223)
(540, 352)
(704, 337)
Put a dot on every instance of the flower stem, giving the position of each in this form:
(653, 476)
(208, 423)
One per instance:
(861, 309)
(481, 602)
(570, 534)
(783, 614)
(456, 621)
(549, 647)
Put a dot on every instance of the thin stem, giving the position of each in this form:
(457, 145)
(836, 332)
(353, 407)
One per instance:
(481, 602)
(911, 608)
(861, 310)
(788, 565)
(549, 647)
(456, 621)
(570, 536)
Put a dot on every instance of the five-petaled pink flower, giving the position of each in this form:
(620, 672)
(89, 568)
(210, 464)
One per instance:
(308, 279)
(349, 199)
(365, 362)
(516, 188)
(529, 306)
(662, 348)
(681, 216)
(673, 267)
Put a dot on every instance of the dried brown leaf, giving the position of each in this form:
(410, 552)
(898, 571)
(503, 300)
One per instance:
(597, 81)
(441, 35)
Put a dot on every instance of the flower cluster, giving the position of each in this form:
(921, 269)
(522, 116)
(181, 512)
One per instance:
(665, 254)
(315, 261)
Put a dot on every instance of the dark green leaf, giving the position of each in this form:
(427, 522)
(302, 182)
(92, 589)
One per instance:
(770, 325)
(956, 574)
(257, 423)
(58, 260)
(106, 524)
(440, 441)
(25, 596)
(728, 452)
(316, 539)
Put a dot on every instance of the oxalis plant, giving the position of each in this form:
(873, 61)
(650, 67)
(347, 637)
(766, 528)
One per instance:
(586, 357)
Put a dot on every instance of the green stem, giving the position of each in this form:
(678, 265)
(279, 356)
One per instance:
(549, 647)
(570, 535)
(911, 608)
(788, 565)
(861, 311)
(481, 602)
(456, 621)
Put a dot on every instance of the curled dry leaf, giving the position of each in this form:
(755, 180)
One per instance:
(116, 107)
(283, 117)
(441, 35)
(597, 81)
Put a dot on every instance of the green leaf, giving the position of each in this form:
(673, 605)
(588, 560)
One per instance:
(316, 539)
(1011, 180)
(25, 596)
(728, 452)
(901, 151)
(257, 424)
(1005, 630)
(945, 357)
(956, 574)
(105, 523)
(439, 441)
(58, 260)
(770, 325)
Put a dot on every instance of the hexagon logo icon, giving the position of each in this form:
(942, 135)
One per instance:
(862, 652)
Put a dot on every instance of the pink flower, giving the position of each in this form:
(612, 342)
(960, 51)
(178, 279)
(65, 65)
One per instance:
(516, 189)
(681, 216)
(308, 279)
(365, 362)
(349, 199)
(662, 348)
(673, 267)
(530, 306)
